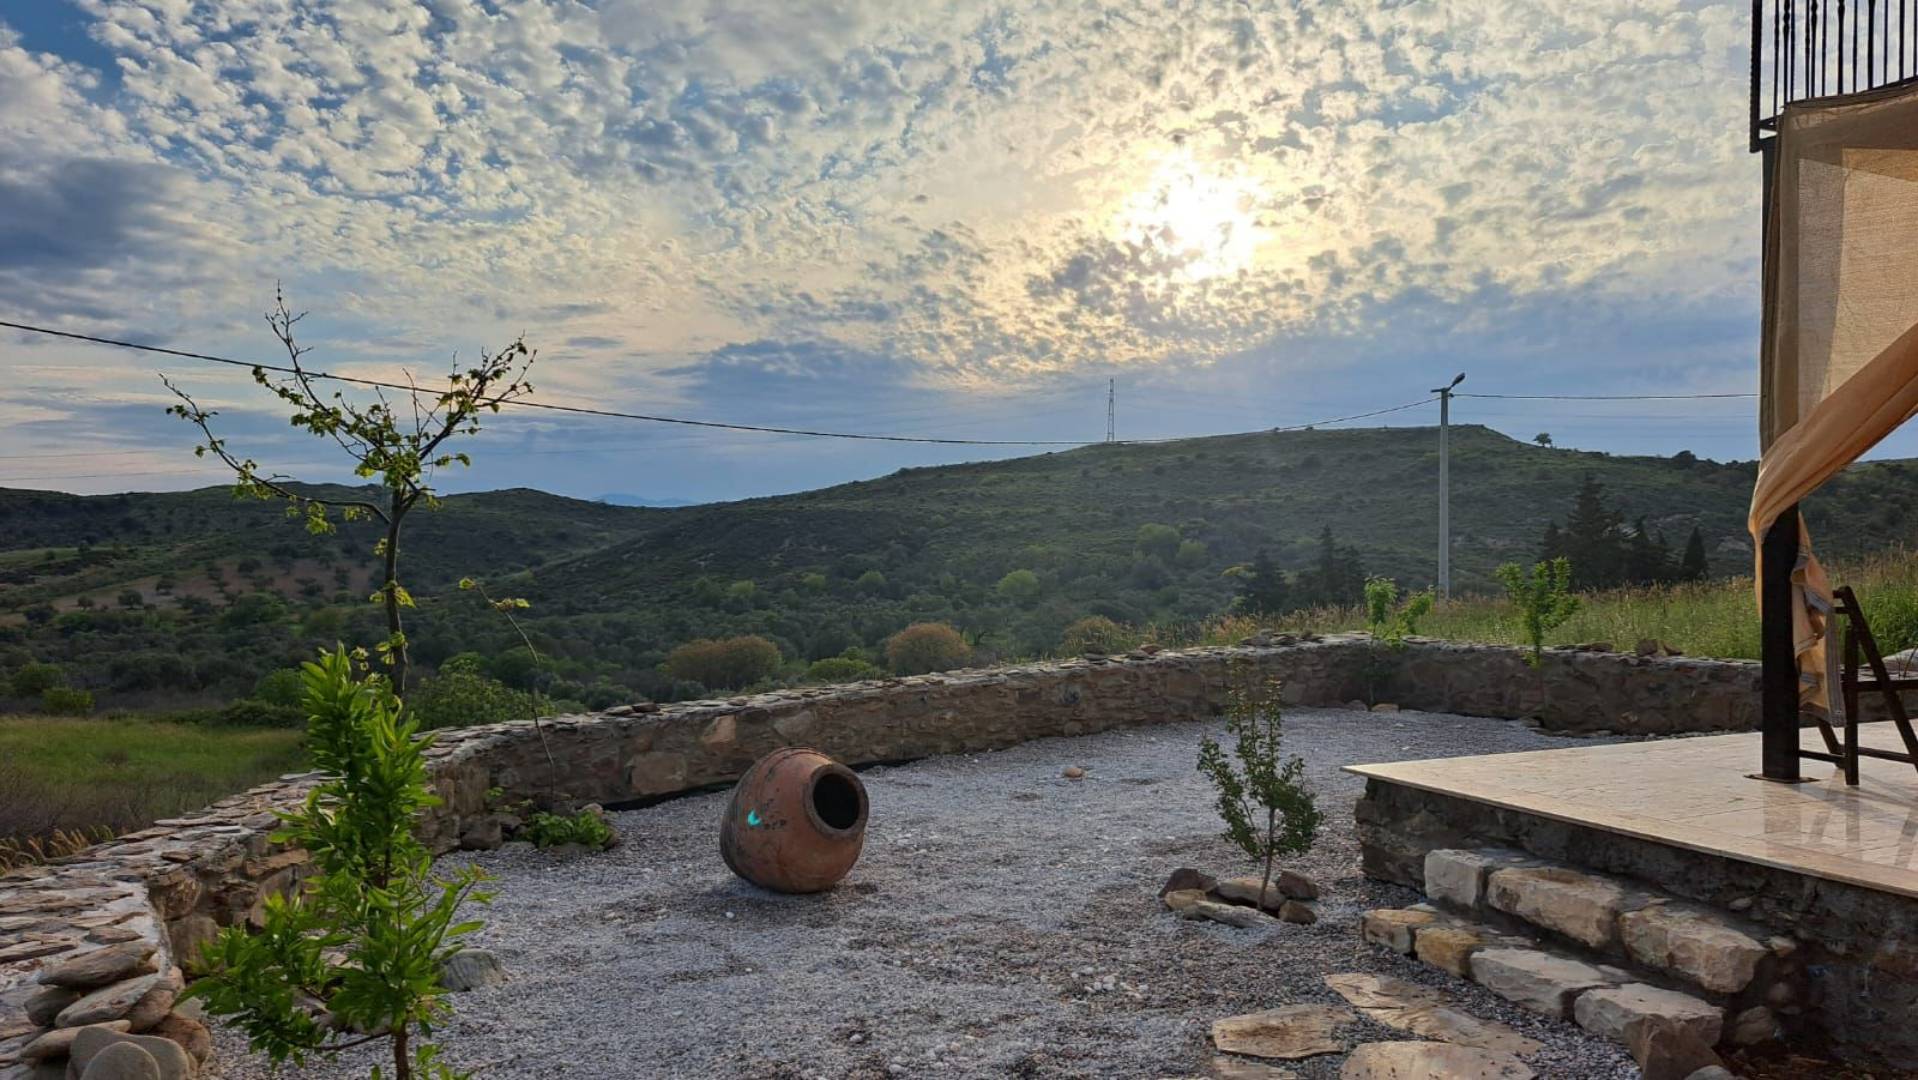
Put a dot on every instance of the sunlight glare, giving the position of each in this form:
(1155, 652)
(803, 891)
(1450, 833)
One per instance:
(1198, 221)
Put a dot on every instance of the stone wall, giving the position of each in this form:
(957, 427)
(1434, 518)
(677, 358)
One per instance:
(175, 884)
(1860, 946)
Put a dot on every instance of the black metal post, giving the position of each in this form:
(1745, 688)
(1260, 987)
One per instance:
(1778, 707)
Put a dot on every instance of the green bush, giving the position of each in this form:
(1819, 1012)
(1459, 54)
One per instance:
(585, 828)
(282, 687)
(1094, 634)
(65, 701)
(1159, 540)
(728, 664)
(924, 647)
(253, 712)
(32, 680)
(1021, 587)
(460, 697)
(838, 669)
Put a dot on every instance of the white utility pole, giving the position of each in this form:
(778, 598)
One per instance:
(1112, 416)
(1445, 486)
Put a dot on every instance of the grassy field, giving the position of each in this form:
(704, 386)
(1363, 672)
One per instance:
(90, 776)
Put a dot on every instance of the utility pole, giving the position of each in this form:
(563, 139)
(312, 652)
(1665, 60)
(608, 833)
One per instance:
(1112, 427)
(1445, 486)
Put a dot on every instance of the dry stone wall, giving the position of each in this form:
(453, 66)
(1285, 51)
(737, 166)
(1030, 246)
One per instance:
(172, 886)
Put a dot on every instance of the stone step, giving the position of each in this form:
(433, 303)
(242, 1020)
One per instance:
(1715, 952)
(1617, 1002)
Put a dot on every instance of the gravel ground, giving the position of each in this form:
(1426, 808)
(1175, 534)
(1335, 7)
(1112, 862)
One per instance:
(994, 905)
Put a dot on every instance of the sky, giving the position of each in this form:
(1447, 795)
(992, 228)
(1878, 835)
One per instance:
(957, 220)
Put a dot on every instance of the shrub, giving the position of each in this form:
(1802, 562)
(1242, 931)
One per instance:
(871, 581)
(359, 949)
(1159, 540)
(728, 664)
(1192, 554)
(460, 697)
(837, 669)
(32, 680)
(1267, 809)
(924, 647)
(1020, 587)
(1094, 634)
(65, 701)
(282, 687)
(585, 828)
(131, 599)
(252, 712)
(1543, 598)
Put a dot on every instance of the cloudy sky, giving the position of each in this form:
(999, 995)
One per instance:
(948, 219)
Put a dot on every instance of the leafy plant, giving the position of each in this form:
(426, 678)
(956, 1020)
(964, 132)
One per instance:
(1388, 618)
(584, 828)
(359, 948)
(66, 701)
(925, 647)
(1263, 783)
(1381, 593)
(403, 447)
(1094, 634)
(1543, 598)
(728, 664)
(35, 679)
(838, 669)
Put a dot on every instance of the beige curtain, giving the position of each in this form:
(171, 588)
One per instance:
(1840, 360)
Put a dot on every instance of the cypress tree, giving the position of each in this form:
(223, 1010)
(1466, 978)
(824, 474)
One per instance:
(1692, 566)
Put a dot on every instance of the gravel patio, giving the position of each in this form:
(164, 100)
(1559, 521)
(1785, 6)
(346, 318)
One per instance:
(1003, 922)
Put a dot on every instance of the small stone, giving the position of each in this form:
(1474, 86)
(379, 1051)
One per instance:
(1393, 927)
(1694, 943)
(1610, 1013)
(1231, 1068)
(171, 1061)
(1422, 1010)
(1356, 705)
(1742, 903)
(102, 967)
(1244, 918)
(122, 1061)
(1187, 878)
(1074, 772)
(1540, 981)
(1296, 886)
(1245, 890)
(1753, 1026)
(471, 969)
(1288, 1032)
(47, 1002)
(1431, 1061)
(59, 1042)
(1449, 948)
(1581, 906)
(1666, 1051)
(1182, 899)
(106, 1003)
(1297, 912)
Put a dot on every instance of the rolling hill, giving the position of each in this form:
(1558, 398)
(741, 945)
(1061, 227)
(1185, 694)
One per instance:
(230, 588)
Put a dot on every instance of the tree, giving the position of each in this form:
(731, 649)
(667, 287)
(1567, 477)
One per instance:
(131, 599)
(1692, 565)
(1544, 439)
(1543, 598)
(1263, 783)
(925, 647)
(1094, 634)
(403, 448)
(1591, 539)
(1336, 577)
(729, 664)
(1647, 559)
(1553, 544)
(359, 947)
(1262, 586)
(1020, 586)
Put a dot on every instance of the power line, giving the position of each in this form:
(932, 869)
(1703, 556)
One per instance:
(1605, 397)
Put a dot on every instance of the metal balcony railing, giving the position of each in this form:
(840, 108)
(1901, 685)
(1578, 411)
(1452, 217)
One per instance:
(1805, 49)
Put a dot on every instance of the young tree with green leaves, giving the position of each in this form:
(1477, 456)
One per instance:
(1263, 784)
(1543, 597)
(359, 946)
(403, 445)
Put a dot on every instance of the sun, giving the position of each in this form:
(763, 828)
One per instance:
(1200, 222)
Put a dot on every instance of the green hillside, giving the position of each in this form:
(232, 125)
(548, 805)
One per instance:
(227, 590)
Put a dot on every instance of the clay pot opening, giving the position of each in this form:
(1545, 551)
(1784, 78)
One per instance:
(837, 801)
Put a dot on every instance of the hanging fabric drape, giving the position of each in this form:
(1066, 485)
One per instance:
(1840, 359)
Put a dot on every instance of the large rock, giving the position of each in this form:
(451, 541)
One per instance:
(1187, 878)
(58, 1043)
(103, 967)
(108, 1002)
(47, 1002)
(122, 1061)
(1456, 877)
(471, 969)
(1231, 1068)
(1394, 927)
(1431, 1061)
(1755, 1025)
(1244, 918)
(1700, 946)
(1245, 890)
(1579, 905)
(169, 1058)
(1540, 981)
(1666, 1051)
(1288, 1032)
(186, 1032)
(1181, 899)
(1611, 1012)
(158, 1002)
(1450, 948)
(1422, 1010)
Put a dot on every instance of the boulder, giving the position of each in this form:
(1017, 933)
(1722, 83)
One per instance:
(157, 1003)
(1244, 918)
(1611, 1012)
(122, 1061)
(471, 969)
(1450, 948)
(1394, 927)
(1431, 1061)
(47, 1002)
(170, 1060)
(186, 1032)
(1456, 877)
(1297, 912)
(108, 1002)
(1540, 981)
(58, 1043)
(1187, 878)
(103, 967)
(1581, 906)
(1666, 1051)
(1182, 899)
(1421, 1010)
(1288, 1032)
(1698, 945)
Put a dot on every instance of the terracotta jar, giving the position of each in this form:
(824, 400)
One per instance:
(796, 823)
